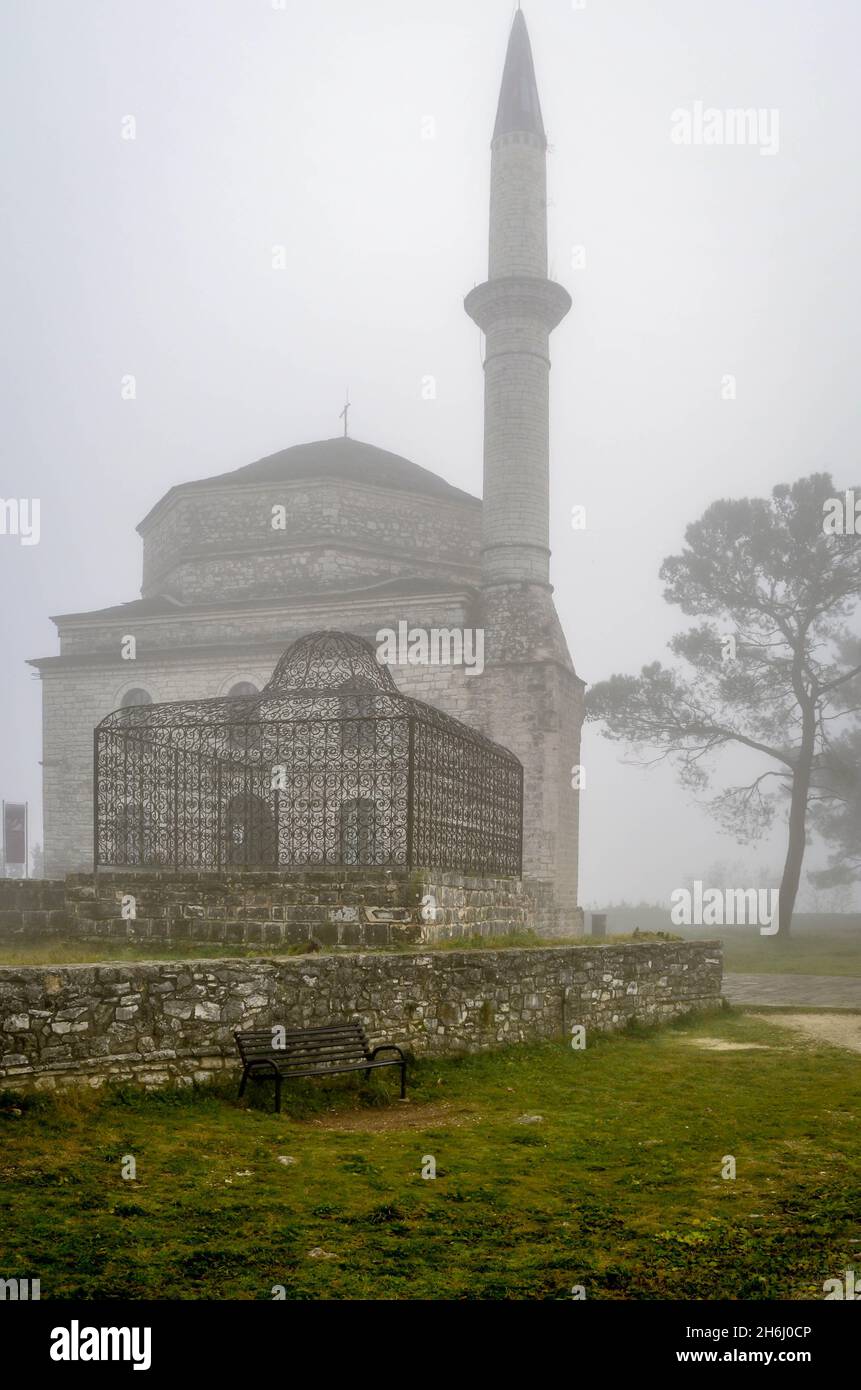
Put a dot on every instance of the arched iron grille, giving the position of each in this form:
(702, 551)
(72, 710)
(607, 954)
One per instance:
(330, 764)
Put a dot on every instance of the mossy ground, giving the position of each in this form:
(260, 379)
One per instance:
(68, 952)
(617, 1187)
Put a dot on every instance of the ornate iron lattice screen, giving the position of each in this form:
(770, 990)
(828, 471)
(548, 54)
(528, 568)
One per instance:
(330, 764)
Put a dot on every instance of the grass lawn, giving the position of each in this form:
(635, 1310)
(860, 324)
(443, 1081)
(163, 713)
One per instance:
(834, 952)
(60, 951)
(617, 1187)
(828, 945)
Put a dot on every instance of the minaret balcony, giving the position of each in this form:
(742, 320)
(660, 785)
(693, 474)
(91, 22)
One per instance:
(521, 297)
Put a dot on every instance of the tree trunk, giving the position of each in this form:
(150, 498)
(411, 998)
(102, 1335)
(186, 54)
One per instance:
(797, 820)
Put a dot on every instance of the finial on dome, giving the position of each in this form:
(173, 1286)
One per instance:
(345, 413)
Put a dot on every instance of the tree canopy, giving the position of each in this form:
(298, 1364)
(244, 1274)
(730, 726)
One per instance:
(769, 667)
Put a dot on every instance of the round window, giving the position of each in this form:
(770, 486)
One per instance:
(133, 698)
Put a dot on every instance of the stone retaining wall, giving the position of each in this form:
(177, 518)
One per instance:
(163, 1021)
(335, 907)
(32, 906)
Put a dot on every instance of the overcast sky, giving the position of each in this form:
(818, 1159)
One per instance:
(306, 127)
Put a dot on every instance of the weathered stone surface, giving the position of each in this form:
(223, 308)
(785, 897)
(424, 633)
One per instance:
(434, 1003)
(248, 908)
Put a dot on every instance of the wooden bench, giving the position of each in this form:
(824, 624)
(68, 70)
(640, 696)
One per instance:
(278, 1054)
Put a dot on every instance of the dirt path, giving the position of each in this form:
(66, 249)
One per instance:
(841, 1030)
(398, 1117)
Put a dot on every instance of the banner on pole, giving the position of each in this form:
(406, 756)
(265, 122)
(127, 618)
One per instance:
(15, 832)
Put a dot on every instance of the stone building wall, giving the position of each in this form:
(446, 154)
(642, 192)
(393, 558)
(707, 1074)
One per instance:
(273, 622)
(219, 543)
(161, 1021)
(531, 699)
(319, 565)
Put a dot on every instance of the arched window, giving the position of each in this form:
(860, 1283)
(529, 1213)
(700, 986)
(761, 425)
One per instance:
(135, 697)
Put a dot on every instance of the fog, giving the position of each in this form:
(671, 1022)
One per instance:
(357, 137)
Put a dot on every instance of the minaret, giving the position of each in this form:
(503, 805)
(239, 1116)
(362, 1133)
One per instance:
(517, 307)
(529, 696)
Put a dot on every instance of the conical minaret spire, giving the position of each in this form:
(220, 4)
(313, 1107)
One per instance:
(517, 307)
(519, 105)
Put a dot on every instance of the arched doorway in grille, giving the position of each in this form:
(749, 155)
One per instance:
(251, 832)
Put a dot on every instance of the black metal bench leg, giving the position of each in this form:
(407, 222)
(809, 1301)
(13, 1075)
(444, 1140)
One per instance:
(242, 1084)
(403, 1083)
(278, 1094)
